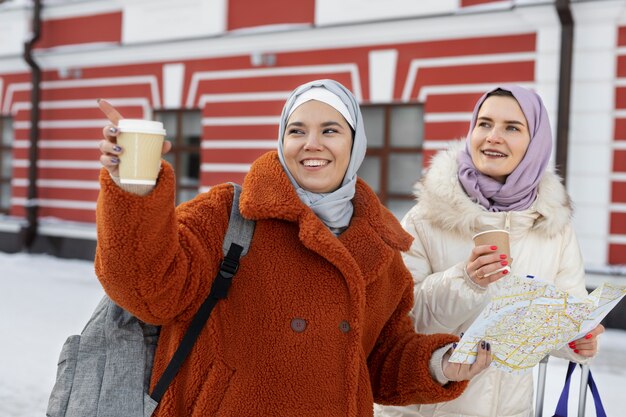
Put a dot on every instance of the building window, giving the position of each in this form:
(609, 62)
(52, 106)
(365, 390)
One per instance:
(6, 158)
(393, 163)
(184, 129)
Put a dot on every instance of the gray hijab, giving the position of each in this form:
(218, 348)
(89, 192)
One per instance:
(334, 209)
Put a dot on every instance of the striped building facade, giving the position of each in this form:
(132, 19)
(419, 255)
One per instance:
(218, 71)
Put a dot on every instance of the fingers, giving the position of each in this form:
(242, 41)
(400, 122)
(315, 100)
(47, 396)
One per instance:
(167, 146)
(109, 111)
(483, 263)
(587, 346)
(111, 152)
(483, 359)
(462, 372)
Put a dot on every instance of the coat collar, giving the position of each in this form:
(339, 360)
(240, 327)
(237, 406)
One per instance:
(268, 194)
(443, 201)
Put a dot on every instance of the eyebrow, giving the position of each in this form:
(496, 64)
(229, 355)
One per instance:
(510, 122)
(325, 124)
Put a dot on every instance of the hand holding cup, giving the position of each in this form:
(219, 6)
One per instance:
(490, 259)
(111, 149)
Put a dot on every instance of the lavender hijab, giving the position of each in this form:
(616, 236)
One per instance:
(520, 188)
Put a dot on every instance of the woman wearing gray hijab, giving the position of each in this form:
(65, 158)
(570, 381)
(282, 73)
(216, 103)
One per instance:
(316, 321)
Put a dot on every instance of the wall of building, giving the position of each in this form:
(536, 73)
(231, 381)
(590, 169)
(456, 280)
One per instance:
(237, 64)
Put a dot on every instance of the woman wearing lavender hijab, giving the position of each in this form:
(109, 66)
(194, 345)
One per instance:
(498, 178)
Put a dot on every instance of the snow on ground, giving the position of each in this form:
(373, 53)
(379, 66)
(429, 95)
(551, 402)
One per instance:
(44, 299)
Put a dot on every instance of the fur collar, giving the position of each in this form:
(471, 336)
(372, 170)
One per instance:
(443, 202)
(268, 194)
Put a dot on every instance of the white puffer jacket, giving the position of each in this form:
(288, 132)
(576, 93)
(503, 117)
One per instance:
(543, 244)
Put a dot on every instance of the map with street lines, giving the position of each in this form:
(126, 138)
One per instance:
(529, 318)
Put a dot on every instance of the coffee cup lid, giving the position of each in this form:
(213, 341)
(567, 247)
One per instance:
(490, 231)
(142, 126)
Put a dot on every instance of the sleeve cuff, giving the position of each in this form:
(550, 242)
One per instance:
(137, 189)
(435, 365)
(471, 283)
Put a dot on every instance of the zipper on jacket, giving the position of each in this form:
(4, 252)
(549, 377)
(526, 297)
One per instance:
(507, 221)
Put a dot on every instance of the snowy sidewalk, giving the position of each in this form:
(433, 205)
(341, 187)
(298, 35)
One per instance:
(44, 299)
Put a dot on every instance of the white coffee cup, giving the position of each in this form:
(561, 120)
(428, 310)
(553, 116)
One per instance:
(142, 142)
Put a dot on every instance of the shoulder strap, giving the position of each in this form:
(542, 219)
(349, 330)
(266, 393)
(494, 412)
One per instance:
(236, 243)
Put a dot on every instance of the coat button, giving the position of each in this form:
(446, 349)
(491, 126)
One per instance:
(298, 325)
(344, 326)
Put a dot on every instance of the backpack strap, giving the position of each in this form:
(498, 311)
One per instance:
(236, 244)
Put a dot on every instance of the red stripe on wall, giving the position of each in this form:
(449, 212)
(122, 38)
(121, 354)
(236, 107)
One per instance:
(621, 66)
(621, 36)
(59, 193)
(451, 102)
(620, 129)
(229, 156)
(79, 30)
(74, 215)
(89, 113)
(244, 108)
(427, 156)
(618, 223)
(617, 254)
(60, 173)
(240, 132)
(445, 130)
(620, 98)
(64, 154)
(243, 14)
(263, 84)
(474, 74)
(618, 192)
(619, 161)
(213, 178)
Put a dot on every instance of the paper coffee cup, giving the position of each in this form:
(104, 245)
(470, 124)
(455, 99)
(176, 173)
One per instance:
(499, 238)
(142, 142)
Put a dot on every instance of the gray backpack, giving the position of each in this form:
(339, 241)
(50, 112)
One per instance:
(105, 371)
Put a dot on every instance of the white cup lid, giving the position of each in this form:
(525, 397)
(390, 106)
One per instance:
(140, 125)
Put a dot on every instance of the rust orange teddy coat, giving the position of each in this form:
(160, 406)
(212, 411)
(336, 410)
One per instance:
(351, 293)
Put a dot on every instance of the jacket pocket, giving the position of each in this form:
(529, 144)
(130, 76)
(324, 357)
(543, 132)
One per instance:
(66, 367)
(213, 390)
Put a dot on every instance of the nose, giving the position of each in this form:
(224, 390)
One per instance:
(494, 136)
(313, 142)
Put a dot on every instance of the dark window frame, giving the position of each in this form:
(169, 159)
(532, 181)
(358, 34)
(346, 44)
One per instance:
(384, 153)
(5, 182)
(179, 149)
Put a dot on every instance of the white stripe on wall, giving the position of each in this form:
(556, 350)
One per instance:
(382, 70)
(239, 144)
(59, 144)
(243, 97)
(241, 121)
(63, 124)
(73, 184)
(428, 90)
(151, 80)
(448, 117)
(48, 163)
(619, 239)
(57, 203)
(352, 69)
(215, 167)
